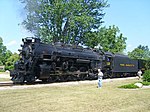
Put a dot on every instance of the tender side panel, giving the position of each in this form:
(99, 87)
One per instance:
(124, 64)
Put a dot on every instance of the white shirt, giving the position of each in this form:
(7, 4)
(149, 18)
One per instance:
(139, 73)
(100, 74)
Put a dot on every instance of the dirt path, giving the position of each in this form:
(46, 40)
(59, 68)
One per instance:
(5, 75)
(11, 87)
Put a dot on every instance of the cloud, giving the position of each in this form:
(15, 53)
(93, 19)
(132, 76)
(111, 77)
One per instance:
(11, 43)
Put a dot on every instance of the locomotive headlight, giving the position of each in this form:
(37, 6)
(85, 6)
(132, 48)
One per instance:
(33, 40)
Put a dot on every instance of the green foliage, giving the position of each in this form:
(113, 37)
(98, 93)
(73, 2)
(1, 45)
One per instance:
(2, 70)
(7, 58)
(63, 20)
(136, 53)
(111, 39)
(108, 39)
(72, 21)
(129, 86)
(145, 83)
(147, 64)
(10, 61)
(92, 39)
(141, 52)
(146, 76)
(2, 52)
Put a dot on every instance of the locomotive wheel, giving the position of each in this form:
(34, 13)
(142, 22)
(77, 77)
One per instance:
(53, 65)
(55, 78)
(65, 78)
(30, 79)
(65, 65)
(44, 80)
(69, 78)
(74, 78)
(105, 75)
(83, 76)
(18, 79)
(83, 69)
(58, 78)
(110, 75)
(73, 69)
(50, 80)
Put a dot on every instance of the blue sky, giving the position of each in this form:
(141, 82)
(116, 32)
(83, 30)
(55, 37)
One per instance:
(131, 16)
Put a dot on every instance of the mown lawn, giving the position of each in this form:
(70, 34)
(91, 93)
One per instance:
(4, 76)
(77, 98)
(4, 79)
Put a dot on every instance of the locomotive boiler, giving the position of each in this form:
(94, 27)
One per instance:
(54, 62)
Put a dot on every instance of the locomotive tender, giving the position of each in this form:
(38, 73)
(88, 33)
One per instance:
(118, 65)
(60, 62)
(54, 62)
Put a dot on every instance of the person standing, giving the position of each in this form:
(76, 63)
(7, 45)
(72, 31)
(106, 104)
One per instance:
(100, 77)
(139, 74)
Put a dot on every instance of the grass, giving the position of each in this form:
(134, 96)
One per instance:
(145, 83)
(133, 86)
(4, 79)
(3, 72)
(76, 98)
(4, 76)
(129, 86)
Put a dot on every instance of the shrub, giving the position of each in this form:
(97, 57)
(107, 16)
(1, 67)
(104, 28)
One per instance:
(147, 64)
(146, 76)
(146, 83)
(129, 86)
(2, 70)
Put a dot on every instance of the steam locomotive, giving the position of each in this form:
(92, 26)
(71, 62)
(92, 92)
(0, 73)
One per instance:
(54, 62)
(61, 62)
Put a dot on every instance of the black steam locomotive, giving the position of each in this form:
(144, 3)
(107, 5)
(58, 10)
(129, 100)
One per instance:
(60, 62)
(54, 62)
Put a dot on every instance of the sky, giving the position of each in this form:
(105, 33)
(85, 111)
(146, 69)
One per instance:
(132, 17)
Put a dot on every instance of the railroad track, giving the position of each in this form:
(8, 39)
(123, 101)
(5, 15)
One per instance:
(2, 84)
(10, 86)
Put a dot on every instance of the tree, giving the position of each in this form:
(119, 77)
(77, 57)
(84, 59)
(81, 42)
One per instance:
(9, 65)
(2, 52)
(92, 39)
(8, 53)
(141, 52)
(63, 20)
(109, 39)
(6, 57)
(147, 64)
(146, 54)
